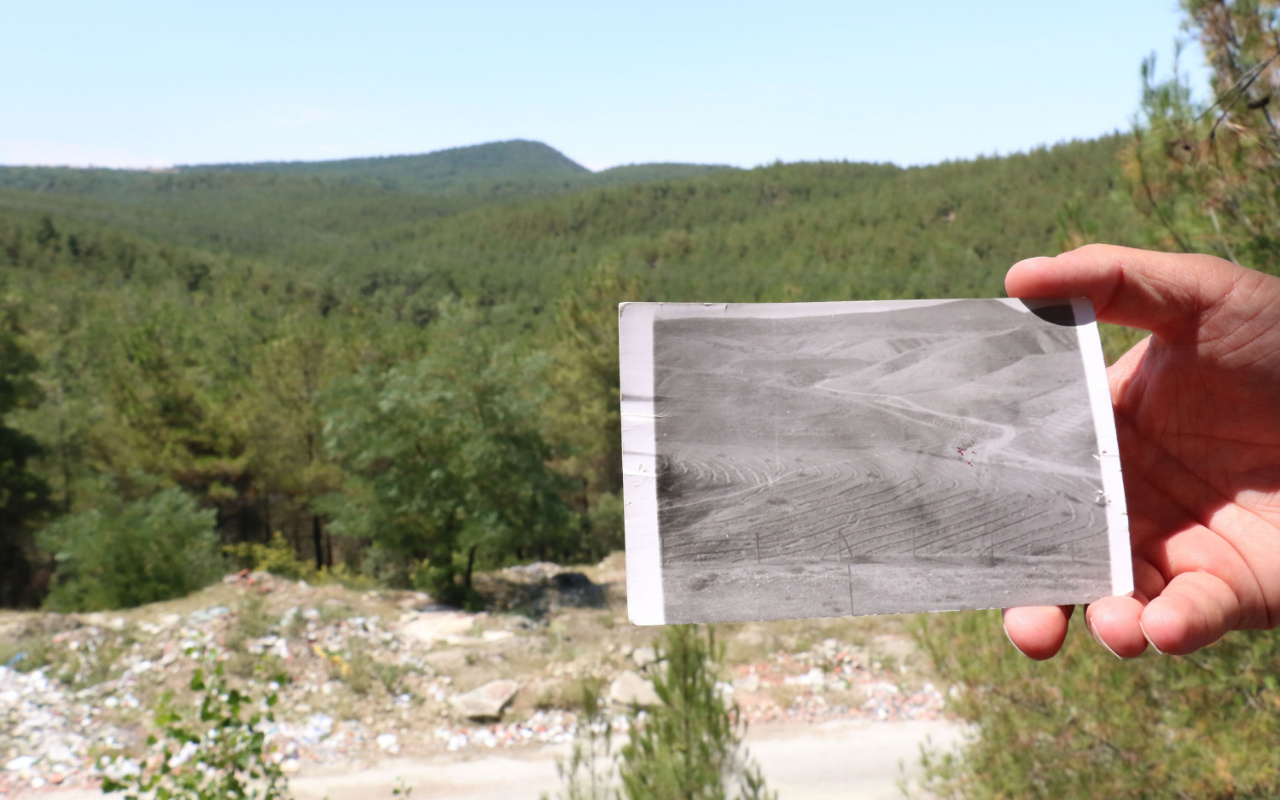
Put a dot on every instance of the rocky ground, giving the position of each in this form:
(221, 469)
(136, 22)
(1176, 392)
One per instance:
(367, 676)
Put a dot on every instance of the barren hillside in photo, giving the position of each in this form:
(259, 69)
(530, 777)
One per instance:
(953, 438)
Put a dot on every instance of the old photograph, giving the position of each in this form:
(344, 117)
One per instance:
(825, 459)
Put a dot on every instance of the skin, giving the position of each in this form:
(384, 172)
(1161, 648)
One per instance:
(1197, 409)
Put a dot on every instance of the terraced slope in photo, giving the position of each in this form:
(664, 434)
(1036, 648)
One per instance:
(934, 457)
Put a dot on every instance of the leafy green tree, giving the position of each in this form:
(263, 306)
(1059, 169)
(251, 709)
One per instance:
(24, 497)
(140, 552)
(690, 746)
(445, 459)
(583, 410)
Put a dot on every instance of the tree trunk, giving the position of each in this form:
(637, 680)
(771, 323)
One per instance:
(317, 539)
(471, 562)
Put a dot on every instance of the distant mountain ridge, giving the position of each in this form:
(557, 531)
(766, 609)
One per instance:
(399, 187)
(434, 171)
(518, 161)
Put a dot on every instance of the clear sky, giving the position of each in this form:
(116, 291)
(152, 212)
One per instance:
(137, 84)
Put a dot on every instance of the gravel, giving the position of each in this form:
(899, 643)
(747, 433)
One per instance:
(362, 687)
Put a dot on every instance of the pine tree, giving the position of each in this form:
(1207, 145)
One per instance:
(24, 497)
(1208, 174)
(690, 746)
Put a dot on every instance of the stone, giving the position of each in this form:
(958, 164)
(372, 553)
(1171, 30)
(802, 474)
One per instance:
(438, 626)
(747, 683)
(814, 679)
(21, 763)
(630, 689)
(644, 656)
(389, 743)
(487, 701)
(446, 660)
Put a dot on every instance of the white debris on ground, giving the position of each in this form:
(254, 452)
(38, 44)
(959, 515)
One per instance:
(833, 680)
(77, 698)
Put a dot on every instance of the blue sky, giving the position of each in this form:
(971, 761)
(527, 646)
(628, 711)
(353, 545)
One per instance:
(132, 84)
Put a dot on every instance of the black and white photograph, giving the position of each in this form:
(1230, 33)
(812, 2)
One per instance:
(828, 459)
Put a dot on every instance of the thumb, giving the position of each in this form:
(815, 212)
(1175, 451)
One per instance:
(1169, 294)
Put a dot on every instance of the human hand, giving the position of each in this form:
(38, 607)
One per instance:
(1197, 409)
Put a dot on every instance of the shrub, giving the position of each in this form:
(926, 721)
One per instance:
(604, 526)
(148, 550)
(222, 754)
(1085, 724)
(277, 557)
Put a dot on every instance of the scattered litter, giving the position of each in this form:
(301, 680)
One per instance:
(362, 687)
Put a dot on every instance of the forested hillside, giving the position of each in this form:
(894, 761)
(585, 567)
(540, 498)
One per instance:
(413, 373)
(266, 208)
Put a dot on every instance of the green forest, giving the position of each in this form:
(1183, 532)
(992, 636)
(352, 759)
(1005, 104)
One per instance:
(406, 367)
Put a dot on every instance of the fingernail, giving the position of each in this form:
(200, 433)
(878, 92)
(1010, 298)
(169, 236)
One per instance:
(1148, 638)
(1089, 624)
(1033, 262)
(1010, 638)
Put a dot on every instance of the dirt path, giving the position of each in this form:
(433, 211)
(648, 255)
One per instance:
(848, 760)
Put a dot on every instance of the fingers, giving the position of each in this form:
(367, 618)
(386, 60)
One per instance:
(1195, 610)
(1166, 293)
(1037, 631)
(1114, 622)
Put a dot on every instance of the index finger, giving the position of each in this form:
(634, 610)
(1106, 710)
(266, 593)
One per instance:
(1165, 293)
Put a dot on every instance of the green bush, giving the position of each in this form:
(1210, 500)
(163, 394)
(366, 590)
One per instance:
(1086, 724)
(277, 557)
(605, 526)
(148, 550)
(221, 754)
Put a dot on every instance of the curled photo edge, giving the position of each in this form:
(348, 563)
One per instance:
(645, 600)
(1095, 372)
